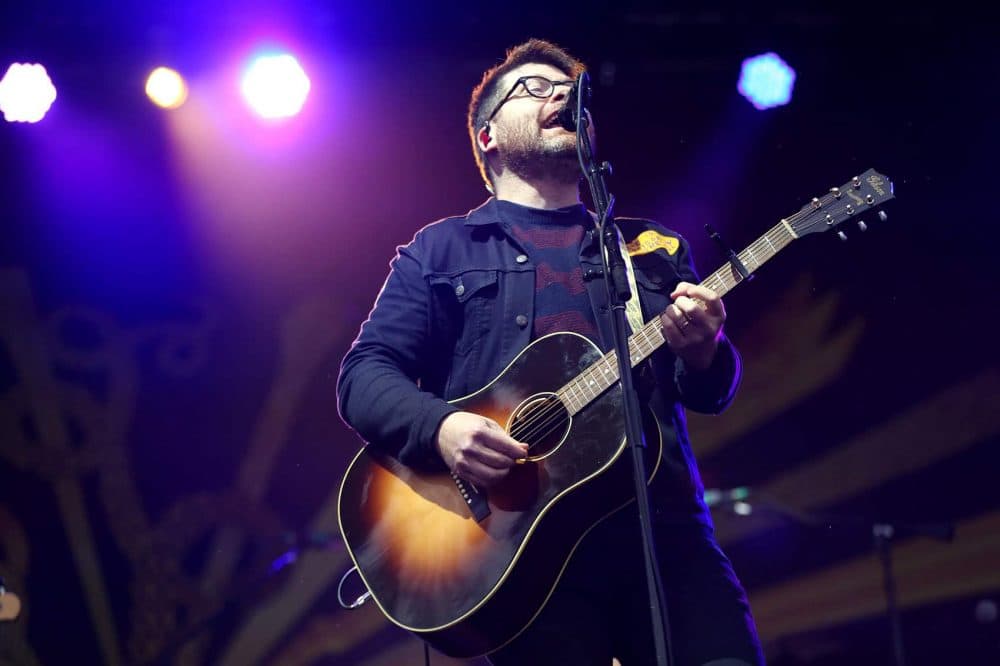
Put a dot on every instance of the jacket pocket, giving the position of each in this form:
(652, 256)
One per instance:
(469, 298)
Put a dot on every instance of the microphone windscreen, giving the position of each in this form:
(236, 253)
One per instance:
(567, 116)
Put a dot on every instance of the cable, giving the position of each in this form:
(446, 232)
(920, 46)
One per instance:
(357, 602)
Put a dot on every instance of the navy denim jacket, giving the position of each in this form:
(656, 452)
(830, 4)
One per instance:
(457, 307)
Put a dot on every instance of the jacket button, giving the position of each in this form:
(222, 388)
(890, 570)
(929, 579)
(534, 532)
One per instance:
(521, 258)
(521, 320)
(459, 290)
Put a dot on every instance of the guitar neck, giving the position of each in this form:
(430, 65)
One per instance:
(597, 378)
(753, 257)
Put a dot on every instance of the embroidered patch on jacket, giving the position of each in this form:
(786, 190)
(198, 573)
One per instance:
(650, 241)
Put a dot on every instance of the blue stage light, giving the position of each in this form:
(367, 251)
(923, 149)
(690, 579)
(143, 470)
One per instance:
(766, 81)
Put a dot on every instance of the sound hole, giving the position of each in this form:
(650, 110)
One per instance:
(542, 423)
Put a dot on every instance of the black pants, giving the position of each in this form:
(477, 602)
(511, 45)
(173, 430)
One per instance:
(600, 608)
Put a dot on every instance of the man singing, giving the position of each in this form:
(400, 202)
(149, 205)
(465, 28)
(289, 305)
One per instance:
(469, 293)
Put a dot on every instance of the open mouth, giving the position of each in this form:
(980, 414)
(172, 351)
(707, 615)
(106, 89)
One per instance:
(553, 121)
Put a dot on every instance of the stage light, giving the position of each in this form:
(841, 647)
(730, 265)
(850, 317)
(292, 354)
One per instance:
(275, 86)
(26, 93)
(742, 508)
(766, 81)
(166, 88)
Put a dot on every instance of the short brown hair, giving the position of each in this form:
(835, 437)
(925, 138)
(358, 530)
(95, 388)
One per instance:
(487, 94)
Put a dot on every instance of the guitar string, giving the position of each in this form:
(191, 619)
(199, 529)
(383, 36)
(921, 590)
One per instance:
(556, 409)
(541, 429)
(555, 414)
(546, 419)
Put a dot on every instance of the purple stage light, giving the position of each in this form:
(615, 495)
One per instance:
(26, 93)
(766, 81)
(275, 86)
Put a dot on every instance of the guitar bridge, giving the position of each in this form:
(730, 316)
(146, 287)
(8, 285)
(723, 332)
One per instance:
(474, 498)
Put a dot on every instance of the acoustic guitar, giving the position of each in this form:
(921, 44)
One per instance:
(467, 570)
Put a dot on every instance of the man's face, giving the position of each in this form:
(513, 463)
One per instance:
(527, 135)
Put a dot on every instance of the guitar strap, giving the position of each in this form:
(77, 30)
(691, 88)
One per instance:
(633, 310)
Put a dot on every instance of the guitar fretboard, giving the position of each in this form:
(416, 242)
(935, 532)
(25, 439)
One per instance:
(600, 376)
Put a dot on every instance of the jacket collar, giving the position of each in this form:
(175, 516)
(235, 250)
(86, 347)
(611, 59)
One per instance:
(486, 213)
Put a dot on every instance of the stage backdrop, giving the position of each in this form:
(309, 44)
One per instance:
(177, 290)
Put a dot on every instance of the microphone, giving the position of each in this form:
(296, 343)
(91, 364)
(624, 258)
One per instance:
(568, 114)
(717, 496)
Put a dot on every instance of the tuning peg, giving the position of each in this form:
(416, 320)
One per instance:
(842, 236)
(862, 225)
(882, 216)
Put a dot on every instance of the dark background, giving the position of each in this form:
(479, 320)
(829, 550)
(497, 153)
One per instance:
(179, 287)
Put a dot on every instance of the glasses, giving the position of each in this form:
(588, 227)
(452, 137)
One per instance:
(536, 86)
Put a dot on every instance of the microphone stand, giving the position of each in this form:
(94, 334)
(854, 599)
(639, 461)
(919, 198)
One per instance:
(616, 280)
(883, 534)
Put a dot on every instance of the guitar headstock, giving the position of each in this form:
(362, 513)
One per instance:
(857, 196)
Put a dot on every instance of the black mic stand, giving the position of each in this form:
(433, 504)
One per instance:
(883, 534)
(616, 280)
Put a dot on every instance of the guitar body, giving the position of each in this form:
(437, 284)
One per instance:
(467, 570)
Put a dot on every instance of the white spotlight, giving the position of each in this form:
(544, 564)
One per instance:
(166, 88)
(26, 93)
(275, 86)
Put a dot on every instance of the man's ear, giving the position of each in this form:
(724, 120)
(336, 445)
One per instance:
(484, 138)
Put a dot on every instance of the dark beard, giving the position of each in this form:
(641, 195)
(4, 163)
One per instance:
(528, 156)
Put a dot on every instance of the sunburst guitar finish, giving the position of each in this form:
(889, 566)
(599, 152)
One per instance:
(467, 570)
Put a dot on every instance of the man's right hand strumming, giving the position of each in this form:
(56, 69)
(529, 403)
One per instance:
(477, 449)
